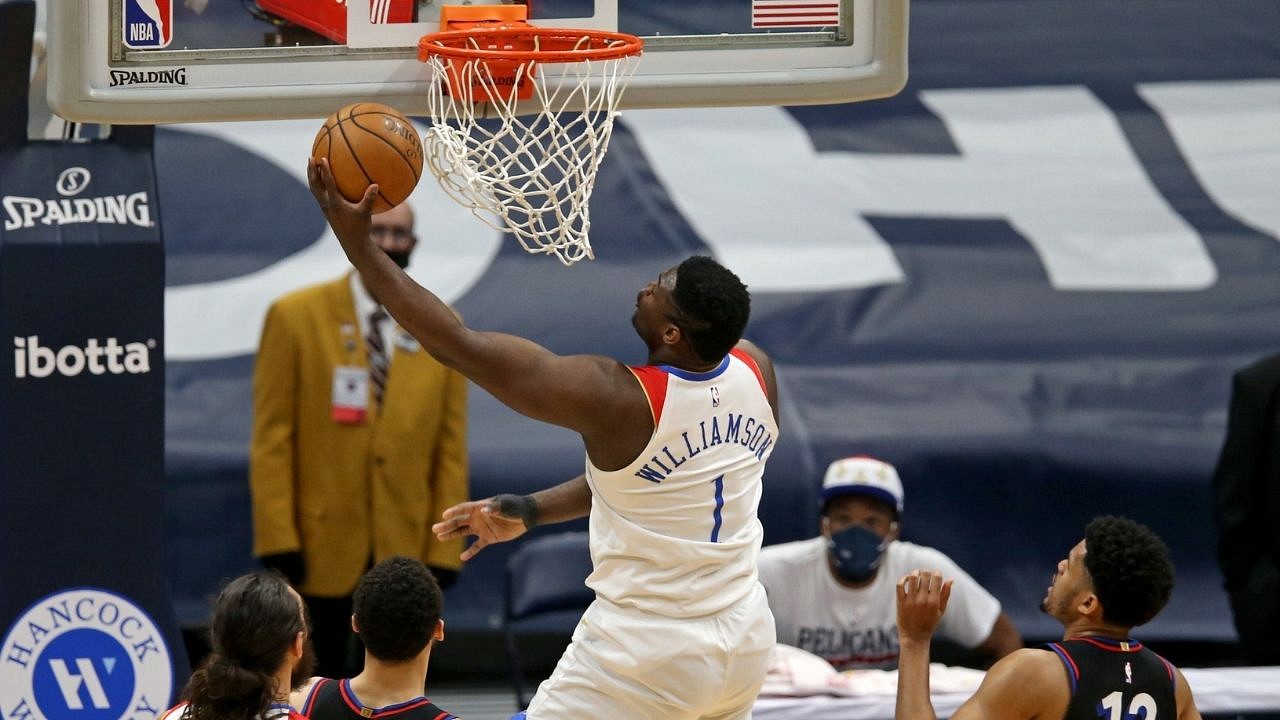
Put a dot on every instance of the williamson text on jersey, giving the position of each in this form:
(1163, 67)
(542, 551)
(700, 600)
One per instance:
(738, 429)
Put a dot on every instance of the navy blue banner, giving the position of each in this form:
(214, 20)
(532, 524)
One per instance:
(85, 608)
(1025, 281)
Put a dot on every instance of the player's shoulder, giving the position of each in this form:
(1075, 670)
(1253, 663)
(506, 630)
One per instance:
(303, 696)
(1036, 665)
(1029, 681)
(757, 355)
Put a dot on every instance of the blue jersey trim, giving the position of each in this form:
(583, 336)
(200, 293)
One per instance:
(697, 376)
(1070, 664)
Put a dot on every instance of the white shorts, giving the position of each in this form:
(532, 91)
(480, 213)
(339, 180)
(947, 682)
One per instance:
(637, 666)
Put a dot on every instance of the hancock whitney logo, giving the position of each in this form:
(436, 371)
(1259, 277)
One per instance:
(148, 24)
(84, 654)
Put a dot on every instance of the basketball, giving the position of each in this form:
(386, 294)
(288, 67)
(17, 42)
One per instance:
(370, 143)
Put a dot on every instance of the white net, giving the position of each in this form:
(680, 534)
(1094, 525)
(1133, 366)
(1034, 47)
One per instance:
(526, 168)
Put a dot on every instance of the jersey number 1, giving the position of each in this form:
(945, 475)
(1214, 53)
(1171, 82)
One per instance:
(715, 514)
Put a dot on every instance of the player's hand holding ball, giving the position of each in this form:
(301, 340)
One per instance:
(367, 144)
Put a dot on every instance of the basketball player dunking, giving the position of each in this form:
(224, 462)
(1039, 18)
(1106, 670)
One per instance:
(1117, 578)
(675, 453)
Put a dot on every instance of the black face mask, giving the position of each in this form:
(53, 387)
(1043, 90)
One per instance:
(855, 553)
(399, 257)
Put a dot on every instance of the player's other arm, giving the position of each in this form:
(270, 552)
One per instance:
(506, 517)
(570, 391)
(766, 370)
(1026, 684)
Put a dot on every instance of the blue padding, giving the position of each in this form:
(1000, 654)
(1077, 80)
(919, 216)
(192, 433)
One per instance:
(548, 574)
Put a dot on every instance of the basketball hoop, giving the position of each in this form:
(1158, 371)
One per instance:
(554, 93)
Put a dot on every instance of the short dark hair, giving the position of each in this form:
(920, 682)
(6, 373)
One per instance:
(716, 301)
(255, 621)
(397, 605)
(1130, 568)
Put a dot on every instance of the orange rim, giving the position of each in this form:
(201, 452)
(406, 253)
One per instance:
(452, 44)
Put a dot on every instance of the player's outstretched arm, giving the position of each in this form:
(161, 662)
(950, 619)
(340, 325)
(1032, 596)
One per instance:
(1025, 684)
(581, 392)
(506, 517)
(922, 599)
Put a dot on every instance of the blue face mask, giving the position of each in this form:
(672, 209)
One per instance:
(855, 553)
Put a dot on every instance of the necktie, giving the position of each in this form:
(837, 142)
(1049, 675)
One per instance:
(378, 359)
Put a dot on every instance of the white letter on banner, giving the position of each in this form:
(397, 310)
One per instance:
(1229, 133)
(223, 318)
(1052, 161)
(751, 184)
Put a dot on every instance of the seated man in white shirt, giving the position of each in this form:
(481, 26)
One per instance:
(834, 595)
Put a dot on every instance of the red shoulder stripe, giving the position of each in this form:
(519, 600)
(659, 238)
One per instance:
(1073, 671)
(344, 686)
(745, 357)
(654, 382)
(309, 704)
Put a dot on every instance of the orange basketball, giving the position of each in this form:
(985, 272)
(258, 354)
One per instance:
(370, 143)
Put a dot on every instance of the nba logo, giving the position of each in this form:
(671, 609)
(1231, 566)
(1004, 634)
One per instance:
(148, 24)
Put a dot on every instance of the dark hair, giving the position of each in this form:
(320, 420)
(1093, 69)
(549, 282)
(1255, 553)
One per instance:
(397, 605)
(1130, 568)
(716, 302)
(255, 620)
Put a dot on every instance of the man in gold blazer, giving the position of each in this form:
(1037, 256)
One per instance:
(359, 443)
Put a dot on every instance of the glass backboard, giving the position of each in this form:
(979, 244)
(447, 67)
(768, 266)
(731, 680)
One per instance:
(158, 61)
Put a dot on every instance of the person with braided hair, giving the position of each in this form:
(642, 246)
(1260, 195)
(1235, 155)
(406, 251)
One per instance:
(261, 650)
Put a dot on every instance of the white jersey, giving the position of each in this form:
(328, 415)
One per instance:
(676, 532)
(858, 628)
